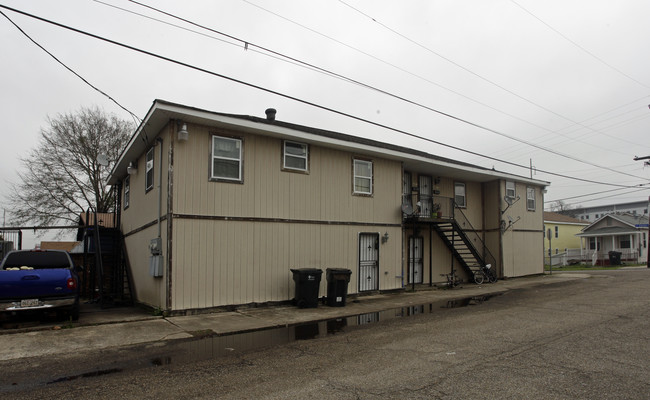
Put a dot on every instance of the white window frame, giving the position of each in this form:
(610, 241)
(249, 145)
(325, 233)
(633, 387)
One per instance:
(511, 189)
(362, 178)
(127, 191)
(530, 197)
(286, 155)
(457, 186)
(148, 169)
(239, 144)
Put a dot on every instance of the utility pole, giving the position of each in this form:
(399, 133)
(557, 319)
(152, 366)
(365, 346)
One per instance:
(550, 252)
(648, 235)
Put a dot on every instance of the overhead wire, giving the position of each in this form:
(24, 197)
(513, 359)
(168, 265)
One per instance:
(581, 125)
(565, 37)
(135, 117)
(594, 193)
(604, 197)
(250, 44)
(293, 98)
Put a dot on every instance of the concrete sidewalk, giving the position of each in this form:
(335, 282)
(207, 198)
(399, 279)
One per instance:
(106, 328)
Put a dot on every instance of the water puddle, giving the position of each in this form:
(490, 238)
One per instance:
(219, 346)
(207, 346)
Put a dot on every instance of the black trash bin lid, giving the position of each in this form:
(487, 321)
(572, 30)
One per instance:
(338, 271)
(311, 271)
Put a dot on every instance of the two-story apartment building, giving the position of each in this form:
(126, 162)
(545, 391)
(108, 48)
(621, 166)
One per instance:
(217, 208)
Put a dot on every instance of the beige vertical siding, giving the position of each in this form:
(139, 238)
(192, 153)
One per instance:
(493, 198)
(143, 211)
(219, 263)
(235, 243)
(523, 243)
(143, 206)
(269, 192)
(149, 290)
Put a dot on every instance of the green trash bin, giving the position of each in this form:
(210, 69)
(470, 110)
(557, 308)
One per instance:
(337, 286)
(307, 286)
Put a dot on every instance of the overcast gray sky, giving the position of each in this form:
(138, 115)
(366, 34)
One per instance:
(561, 84)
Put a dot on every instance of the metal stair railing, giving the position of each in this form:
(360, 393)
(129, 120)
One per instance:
(474, 239)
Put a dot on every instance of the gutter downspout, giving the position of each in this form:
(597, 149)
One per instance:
(160, 152)
(160, 170)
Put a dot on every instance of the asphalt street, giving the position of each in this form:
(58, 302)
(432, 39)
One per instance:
(581, 338)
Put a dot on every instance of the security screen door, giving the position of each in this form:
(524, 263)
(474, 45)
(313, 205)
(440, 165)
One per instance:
(415, 259)
(368, 261)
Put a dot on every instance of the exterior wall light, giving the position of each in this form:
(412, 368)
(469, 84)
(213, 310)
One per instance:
(131, 169)
(384, 238)
(183, 134)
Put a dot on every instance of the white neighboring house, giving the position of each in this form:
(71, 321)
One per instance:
(593, 213)
(625, 233)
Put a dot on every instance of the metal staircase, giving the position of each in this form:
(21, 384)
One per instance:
(110, 279)
(464, 242)
(460, 245)
(461, 238)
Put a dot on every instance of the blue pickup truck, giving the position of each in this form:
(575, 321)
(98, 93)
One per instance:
(39, 280)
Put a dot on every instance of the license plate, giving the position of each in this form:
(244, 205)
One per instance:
(29, 303)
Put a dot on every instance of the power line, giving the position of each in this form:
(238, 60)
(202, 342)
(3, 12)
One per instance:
(328, 72)
(574, 123)
(591, 194)
(286, 96)
(565, 37)
(71, 70)
(608, 197)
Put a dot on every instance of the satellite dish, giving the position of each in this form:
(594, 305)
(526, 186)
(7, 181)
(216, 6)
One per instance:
(407, 209)
(102, 160)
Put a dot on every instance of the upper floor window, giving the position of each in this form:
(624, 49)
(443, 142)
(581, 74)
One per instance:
(510, 189)
(530, 198)
(459, 194)
(557, 233)
(362, 177)
(148, 169)
(295, 156)
(127, 191)
(226, 159)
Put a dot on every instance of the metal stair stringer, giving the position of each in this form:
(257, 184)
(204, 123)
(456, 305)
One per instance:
(460, 245)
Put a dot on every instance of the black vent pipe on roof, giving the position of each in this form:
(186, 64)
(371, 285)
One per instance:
(270, 114)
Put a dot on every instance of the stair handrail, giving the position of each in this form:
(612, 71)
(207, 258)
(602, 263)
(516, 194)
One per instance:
(472, 234)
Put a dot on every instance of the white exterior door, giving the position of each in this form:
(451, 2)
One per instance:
(415, 259)
(368, 261)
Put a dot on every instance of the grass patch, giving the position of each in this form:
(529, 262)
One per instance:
(587, 267)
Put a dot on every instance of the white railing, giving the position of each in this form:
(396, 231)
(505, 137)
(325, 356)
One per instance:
(574, 256)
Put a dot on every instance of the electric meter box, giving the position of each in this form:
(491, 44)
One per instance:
(156, 259)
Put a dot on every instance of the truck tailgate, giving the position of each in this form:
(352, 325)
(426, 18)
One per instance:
(34, 283)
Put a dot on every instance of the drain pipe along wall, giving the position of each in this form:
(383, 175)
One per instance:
(156, 262)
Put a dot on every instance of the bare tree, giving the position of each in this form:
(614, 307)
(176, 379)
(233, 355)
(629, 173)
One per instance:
(64, 176)
(561, 207)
